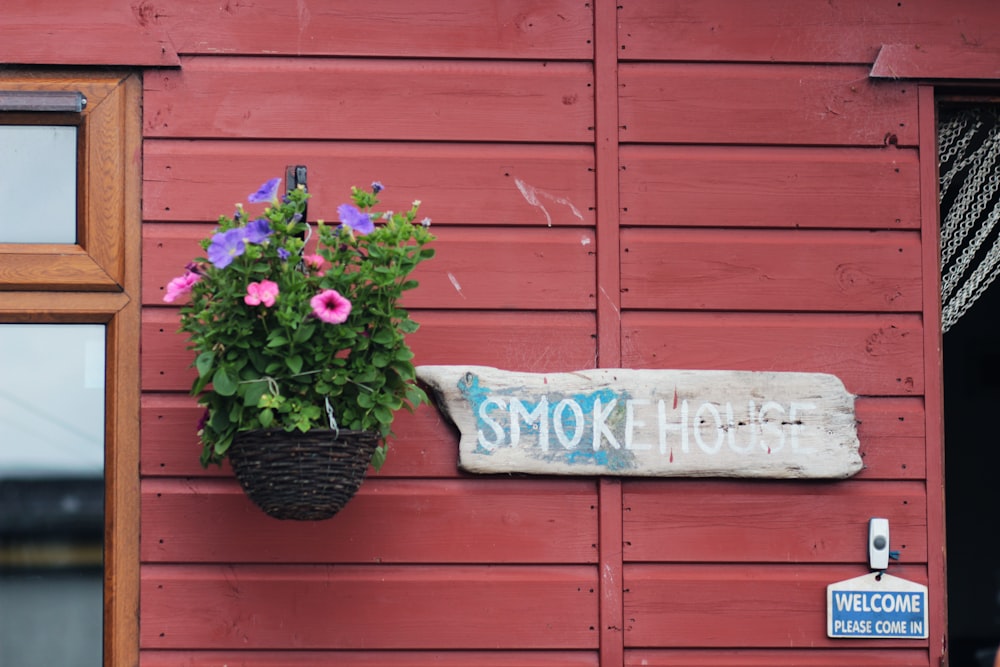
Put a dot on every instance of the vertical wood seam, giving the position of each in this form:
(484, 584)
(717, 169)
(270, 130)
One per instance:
(933, 375)
(609, 332)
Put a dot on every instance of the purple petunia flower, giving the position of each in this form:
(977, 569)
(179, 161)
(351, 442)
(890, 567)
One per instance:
(283, 254)
(226, 246)
(377, 187)
(353, 217)
(266, 193)
(257, 231)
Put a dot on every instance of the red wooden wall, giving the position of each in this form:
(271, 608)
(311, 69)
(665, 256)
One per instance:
(708, 184)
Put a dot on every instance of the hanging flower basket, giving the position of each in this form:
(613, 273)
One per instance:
(301, 476)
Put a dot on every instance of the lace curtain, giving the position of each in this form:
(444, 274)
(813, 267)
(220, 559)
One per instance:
(969, 169)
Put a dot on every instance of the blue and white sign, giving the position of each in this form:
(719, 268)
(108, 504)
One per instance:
(876, 606)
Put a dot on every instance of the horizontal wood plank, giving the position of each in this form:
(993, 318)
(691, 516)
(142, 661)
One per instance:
(425, 445)
(743, 657)
(240, 98)
(368, 606)
(892, 435)
(468, 184)
(769, 522)
(874, 355)
(916, 60)
(388, 521)
(537, 341)
(799, 270)
(763, 104)
(371, 658)
(754, 606)
(760, 186)
(791, 31)
(473, 29)
(489, 268)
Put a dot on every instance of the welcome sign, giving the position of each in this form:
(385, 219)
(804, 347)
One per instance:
(650, 422)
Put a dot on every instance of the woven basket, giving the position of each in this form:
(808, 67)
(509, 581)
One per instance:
(301, 476)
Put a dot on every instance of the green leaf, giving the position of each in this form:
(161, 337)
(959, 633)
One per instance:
(304, 333)
(204, 363)
(276, 340)
(404, 354)
(382, 414)
(254, 391)
(378, 457)
(266, 417)
(223, 383)
(294, 363)
(383, 336)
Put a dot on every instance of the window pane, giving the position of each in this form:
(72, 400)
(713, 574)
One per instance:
(37, 184)
(51, 494)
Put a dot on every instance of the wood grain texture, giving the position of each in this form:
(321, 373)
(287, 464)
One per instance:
(462, 183)
(763, 104)
(916, 60)
(892, 435)
(724, 269)
(744, 657)
(790, 31)
(474, 29)
(473, 268)
(371, 658)
(432, 100)
(354, 607)
(752, 606)
(762, 186)
(509, 339)
(388, 521)
(874, 355)
(769, 522)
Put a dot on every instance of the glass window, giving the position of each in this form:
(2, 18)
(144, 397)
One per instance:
(30, 155)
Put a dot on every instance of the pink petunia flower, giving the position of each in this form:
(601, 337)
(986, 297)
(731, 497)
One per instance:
(330, 307)
(180, 286)
(264, 292)
(314, 261)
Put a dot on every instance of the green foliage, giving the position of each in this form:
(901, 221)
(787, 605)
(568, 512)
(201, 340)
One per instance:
(267, 355)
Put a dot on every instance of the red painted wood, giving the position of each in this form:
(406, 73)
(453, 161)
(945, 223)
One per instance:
(371, 658)
(791, 31)
(388, 521)
(763, 104)
(496, 268)
(102, 32)
(728, 521)
(724, 269)
(758, 186)
(891, 431)
(358, 607)
(442, 29)
(425, 445)
(915, 60)
(764, 606)
(515, 340)
(468, 184)
(311, 98)
(742, 657)
(872, 354)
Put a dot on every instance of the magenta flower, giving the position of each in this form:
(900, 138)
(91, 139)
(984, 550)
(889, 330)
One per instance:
(356, 219)
(330, 307)
(266, 193)
(264, 292)
(180, 286)
(314, 262)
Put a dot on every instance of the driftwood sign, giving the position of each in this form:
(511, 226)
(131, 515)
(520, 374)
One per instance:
(680, 423)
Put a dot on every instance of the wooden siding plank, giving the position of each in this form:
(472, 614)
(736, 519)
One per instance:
(488, 268)
(515, 340)
(801, 270)
(468, 184)
(763, 606)
(874, 355)
(425, 444)
(388, 521)
(353, 607)
(891, 431)
(762, 186)
(724, 521)
(236, 658)
(347, 99)
(561, 29)
(763, 104)
(791, 31)
(743, 657)
(920, 61)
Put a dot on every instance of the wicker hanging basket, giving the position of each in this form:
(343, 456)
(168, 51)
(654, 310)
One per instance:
(301, 476)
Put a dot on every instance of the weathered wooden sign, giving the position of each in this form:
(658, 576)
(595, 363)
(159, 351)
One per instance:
(650, 422)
